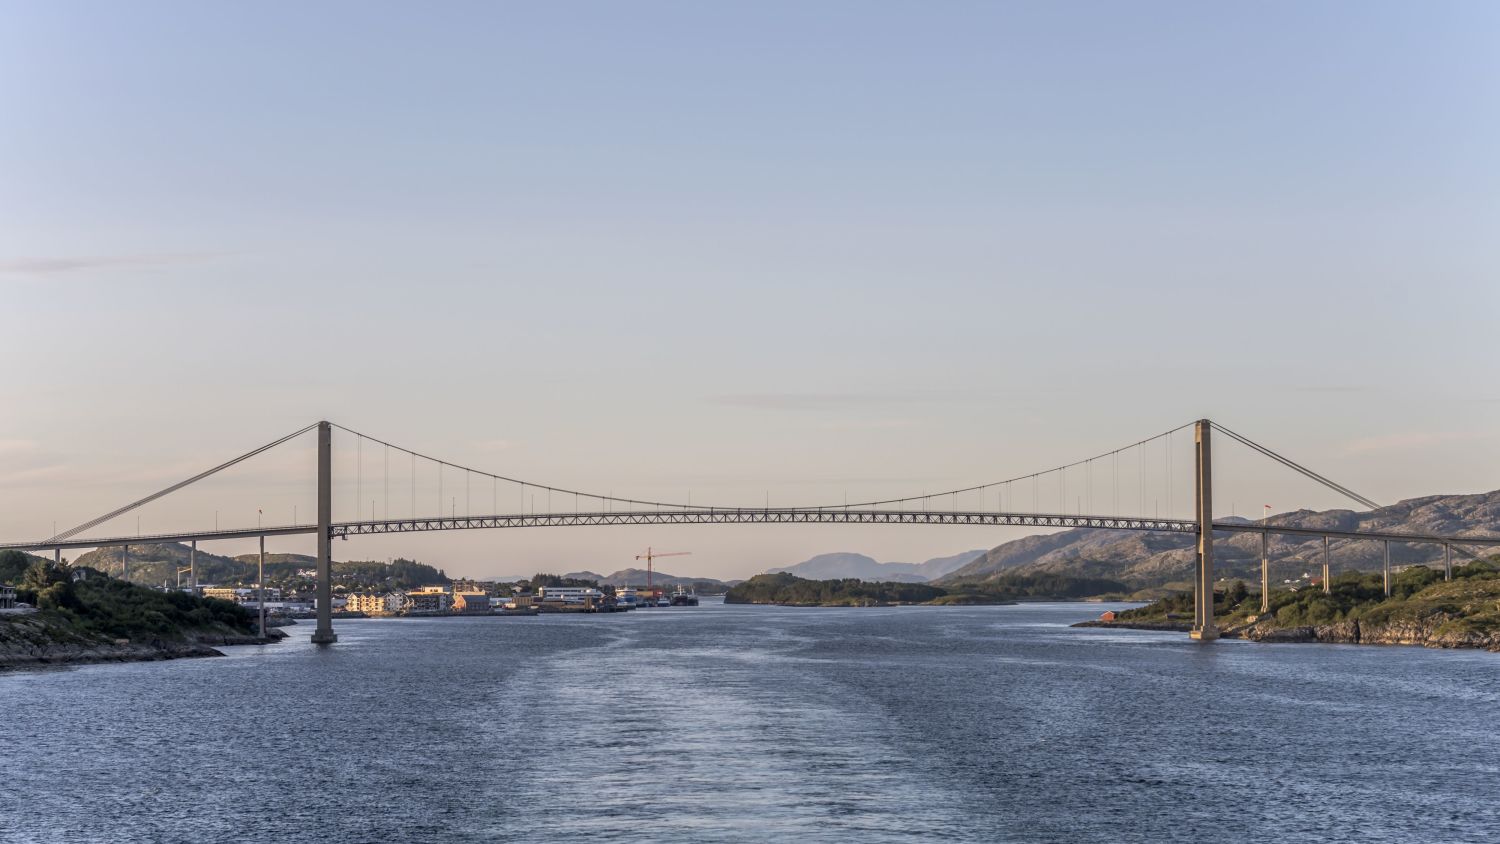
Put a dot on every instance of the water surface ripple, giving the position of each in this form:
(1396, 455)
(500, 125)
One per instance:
(760, 724)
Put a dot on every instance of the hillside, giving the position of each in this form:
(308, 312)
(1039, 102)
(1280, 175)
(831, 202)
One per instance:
(843, 565)
(1422, 609)
(301, 561)
(156, 564)
(1145, 560)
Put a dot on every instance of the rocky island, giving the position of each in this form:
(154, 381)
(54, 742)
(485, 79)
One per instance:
(82, 615)
(789, 590)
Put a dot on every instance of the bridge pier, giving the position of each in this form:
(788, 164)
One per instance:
(125, 562)
(193, 567)
(324, 634)
(260, 586)
(1327, 587)
(1265, 571)
(1203, 603)
(1386, 568)
(1447, 561)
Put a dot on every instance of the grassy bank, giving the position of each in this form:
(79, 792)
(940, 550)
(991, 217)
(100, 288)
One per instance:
(1422, 609)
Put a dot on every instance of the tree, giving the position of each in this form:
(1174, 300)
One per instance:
(13, 565)
(51, 583)
(43, 573)
(1237, 594)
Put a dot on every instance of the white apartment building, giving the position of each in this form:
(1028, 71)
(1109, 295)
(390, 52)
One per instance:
(373, 603)
(568, 594)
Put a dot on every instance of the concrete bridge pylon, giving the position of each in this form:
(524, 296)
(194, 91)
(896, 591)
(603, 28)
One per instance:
(324, 634)
(1204, 628)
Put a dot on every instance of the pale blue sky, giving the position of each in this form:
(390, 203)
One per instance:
(793, 249)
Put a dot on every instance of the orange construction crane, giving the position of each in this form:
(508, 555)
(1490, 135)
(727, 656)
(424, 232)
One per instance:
(651, 555)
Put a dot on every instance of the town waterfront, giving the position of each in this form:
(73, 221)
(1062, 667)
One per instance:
(758, 723)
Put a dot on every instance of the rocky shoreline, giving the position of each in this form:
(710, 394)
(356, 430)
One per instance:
(1427, 635)
(34, 642)
(1161, 626)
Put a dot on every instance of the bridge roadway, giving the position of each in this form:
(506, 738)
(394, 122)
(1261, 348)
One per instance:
(708, 515)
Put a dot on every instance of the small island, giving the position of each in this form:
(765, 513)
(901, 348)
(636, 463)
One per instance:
(791, 591)
(82, 615)
(1423, 609)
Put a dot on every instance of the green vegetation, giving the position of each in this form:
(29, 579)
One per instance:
(1419, 597)
(13, 565)
(100, 605)
(1422, 606)
(348, 575)
(796, 591)
(539, 580)
(158, 564)
(399, 573)
(1019, 586)
(791, 590)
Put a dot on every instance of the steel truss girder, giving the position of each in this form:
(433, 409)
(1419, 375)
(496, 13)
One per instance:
(762, 516)
(746, 516)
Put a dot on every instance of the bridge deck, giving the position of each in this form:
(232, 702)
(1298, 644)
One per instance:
(746, 516)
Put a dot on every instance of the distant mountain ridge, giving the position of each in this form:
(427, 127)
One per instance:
(1144, 559)
(844, 564)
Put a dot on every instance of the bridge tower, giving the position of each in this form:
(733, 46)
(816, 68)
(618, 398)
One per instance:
(324, 634)
(1203, 595)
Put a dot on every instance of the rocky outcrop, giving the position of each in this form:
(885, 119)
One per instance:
(1172, 626)
(36, 640)
(1432, 632)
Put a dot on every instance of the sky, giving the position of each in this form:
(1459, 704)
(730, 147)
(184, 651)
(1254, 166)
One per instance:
(747, 253)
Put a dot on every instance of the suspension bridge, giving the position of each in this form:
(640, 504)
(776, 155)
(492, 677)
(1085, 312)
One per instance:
(1010, 496)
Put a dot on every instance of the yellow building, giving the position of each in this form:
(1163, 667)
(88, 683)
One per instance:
(376, 604)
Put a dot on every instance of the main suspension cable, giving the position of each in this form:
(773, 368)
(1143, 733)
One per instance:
(1299, 468)
(603, 498)
(67, 534)
(1031, 477)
